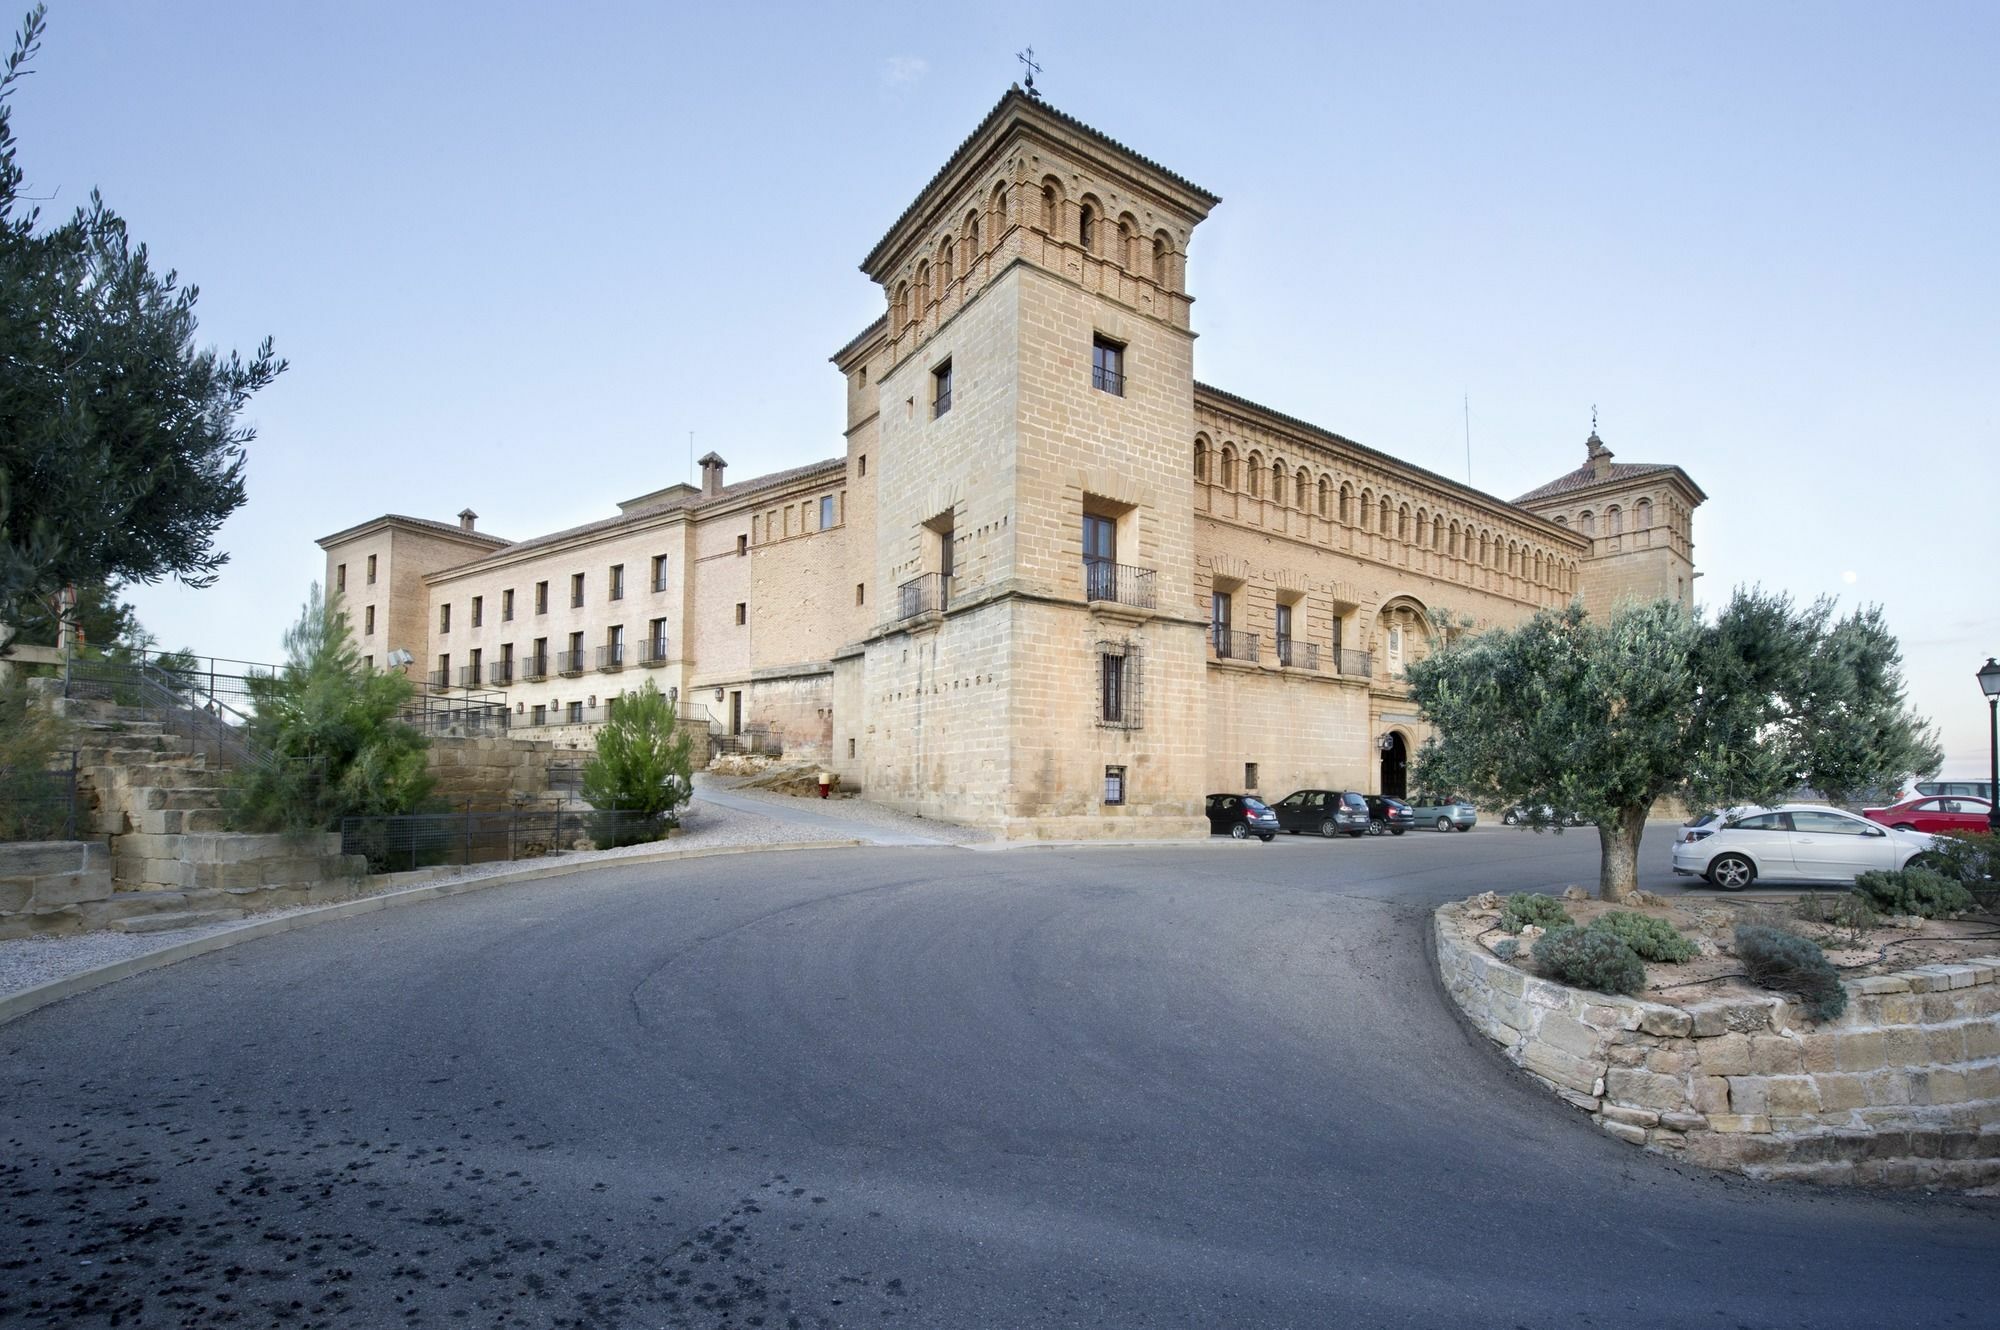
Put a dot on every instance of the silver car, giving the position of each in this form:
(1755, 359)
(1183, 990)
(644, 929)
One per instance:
(1446, 814)
(1800, 842)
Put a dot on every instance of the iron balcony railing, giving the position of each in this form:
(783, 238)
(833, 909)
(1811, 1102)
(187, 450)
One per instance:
(468, 676)
(574, 713)
(942, 403)
(929, 593)
(569, 664)
(500, 673)
(1227, 644)
(653, 654)
(660, 582)
(535, 669)
(1105, 580)
(1107, 380)
(438, 678)
(1359, 663)
(611, 658)
(1296, 655)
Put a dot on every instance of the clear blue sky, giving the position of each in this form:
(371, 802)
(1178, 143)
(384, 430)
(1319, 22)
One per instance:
(516, 252)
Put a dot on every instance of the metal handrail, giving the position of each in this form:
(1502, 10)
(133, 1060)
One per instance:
(1228, 644)
(569, 664)
(611, 658)
(925, 593)
(1107, 380)
(1359, 663)
(1104, 580)
(1296, 655)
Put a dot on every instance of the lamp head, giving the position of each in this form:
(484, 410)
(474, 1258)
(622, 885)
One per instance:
(1989, 678)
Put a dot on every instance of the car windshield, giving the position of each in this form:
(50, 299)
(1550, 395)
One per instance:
(1354, 801)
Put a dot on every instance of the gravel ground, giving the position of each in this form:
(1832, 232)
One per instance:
(27, 962)
(852, 810)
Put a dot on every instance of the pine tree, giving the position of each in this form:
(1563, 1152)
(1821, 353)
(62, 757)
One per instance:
(644, 762)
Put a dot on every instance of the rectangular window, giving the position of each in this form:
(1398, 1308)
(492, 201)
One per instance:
(576, 591)
(478, 611)
(340, 578)
(539, 666)
(507, 606)
(444, 617)
(659, 572)
(860, 593)
(617, 581)
(1107, 366)
(1111, 688)
(742, 545)
(941, 389)
(850, 746)
(443, 676)
(864, 463)
(368, 663)
(368, 620)
(742, 612)
(540, 714)
(656, 640)
(1114, 785)
(1218, 623)
(541, 597)
(371, 570)
(1249, 775)
(576, 713)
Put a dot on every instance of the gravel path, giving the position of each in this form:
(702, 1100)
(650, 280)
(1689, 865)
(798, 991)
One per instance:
(28, 962)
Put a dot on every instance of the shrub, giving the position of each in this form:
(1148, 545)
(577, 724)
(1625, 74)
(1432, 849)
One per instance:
(1919, 891)
(644, 766)
(1590, 958)
(1850, 910)
(1506, 948)
(1971, 858)
(33, 801)
(1776, 959)
(1650, 939)
(1527, 908)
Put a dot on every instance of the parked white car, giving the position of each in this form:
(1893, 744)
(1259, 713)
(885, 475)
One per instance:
(1801, 842)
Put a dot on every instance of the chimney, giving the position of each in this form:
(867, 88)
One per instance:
(1598, 455)
(466, 518)
(712, 468)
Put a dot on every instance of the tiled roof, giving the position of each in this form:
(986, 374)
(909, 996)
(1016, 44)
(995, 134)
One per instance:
(1009, 100)
(1586, 475)
(452, 529)
(692, 502)
(1306, 426)
(881, 322)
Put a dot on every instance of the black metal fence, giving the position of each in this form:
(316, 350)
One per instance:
(38, 804)
(399, 842)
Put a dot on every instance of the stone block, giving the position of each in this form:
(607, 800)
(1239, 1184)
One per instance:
(1901, 1009)
(1710, 1094)
(1888, 1088)
(1982, 1039)
(1905, 1046)
(1665, 1062)
(1737, 1123)
(1509, 1011)
(1601, 1017)
(1725, 1055)
(1684, 1121)
(1670, 1022)
(15, 892)
(1665, 1139)
(1566, 1071)
(1545, 994)
(1749, 1094)
(1624, 1132)
(1945, 1044)
(1775, 1055)
(1635, 1117)
(1569, 1035)
(36, 858)
(1792, 1096)
(1821, 1052)
(1875, 985)
(1860, 1050)
(1644, 1089)
(58, 889)
(1982, 1081)
(1626, 1055)
(1577, 1099)
(1839, 1092)
(1927, 979)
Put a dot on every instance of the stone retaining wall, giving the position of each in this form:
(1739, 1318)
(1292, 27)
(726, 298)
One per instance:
(49, 879)
(1902, 1090)
(490, 774)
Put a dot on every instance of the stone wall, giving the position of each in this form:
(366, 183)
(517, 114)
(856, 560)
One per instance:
(43, 883)
(487, 774)
(1902, 1090)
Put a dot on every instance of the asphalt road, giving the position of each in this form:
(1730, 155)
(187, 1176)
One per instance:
(899, 1086)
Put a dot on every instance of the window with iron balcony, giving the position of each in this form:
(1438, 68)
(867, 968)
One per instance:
(1107, 366)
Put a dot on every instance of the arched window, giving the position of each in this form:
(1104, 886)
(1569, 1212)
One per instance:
(944, 266)
(1325, 496)
(1403, 522)
(999, 209)
(1051, 205)
(1299, 490)
(1645, 514)
(1278, 481)
(1163, 259)
(1128, 242)
(1614, 518)
(1563, 522)
(1365, 512)
(1201, 459)
(1451, 541)
(971, 237)
(1437, 534)
(1346, 505)
(1228, 467)
(1538, 567)
(1383, 525)
(923, 290)
(1587, 522)
(1485, 553)
(902, 305)
(1256, 467)
(1423, 527)
(1086, 225)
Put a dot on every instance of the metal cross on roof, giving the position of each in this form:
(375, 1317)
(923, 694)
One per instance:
(1027, 58)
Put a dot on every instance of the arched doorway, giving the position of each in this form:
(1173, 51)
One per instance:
(1395, 766)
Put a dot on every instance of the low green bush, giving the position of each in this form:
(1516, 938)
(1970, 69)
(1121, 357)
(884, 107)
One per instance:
(1590, 958)
(1651, 939)
(1785, 961)
(1920, 891)
(1526, 908)
(1971, 858)
(1506, 948)
(1850, 910)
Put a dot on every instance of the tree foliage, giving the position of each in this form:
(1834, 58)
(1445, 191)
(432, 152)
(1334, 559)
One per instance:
(325, 732)
(121, 452)
(1605, 718)
(644, 762)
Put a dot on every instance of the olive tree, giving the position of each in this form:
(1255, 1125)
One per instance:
(1604, 719)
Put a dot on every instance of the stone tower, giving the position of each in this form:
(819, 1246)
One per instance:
(1637, 517)
(1036, 660)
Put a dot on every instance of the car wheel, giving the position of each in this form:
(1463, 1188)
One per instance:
(1510, 818)
(1395, 831)
(1923, 860)
(1465, 828)
(1268, 837)
(1328, 829)
(1444, 824)
(1239, 832)
(1905, 826)
(1732, 872)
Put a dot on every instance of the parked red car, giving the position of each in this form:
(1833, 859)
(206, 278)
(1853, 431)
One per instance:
(1934, 815)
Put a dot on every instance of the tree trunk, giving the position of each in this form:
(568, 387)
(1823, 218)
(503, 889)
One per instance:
(1618, 874)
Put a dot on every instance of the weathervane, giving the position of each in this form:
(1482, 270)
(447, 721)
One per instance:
(1027, 58)
(1593, 417)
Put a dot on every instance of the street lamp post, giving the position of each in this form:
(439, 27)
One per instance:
(1989, 683)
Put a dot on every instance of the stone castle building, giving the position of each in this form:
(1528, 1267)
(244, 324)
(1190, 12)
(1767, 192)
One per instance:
(1054, 585)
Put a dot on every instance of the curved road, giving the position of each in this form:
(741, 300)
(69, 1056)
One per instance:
(909, 1086)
